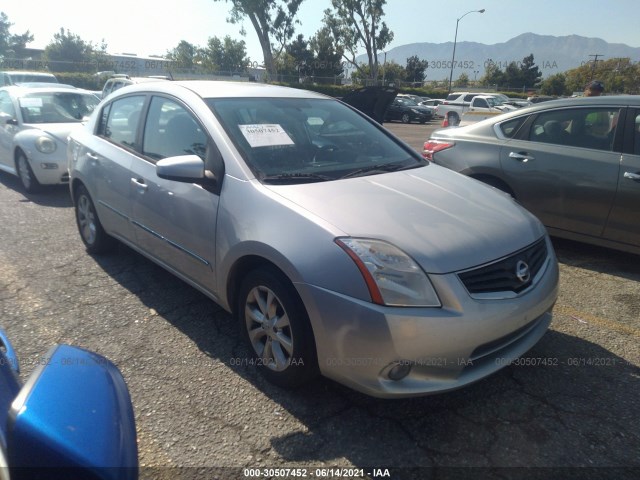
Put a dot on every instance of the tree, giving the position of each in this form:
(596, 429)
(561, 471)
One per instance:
(462, 81)
(390, 72)
(183, 55)
(327, 56)
(619, 75)
(298, 59)
(68, 52)
(492, 75)
(554, 85)
(227, 55)
(530, 72)
(273, 20)
(11, 45)
(416, 69)
(358, 23)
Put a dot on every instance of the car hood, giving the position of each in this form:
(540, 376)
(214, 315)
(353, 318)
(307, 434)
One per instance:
(372, 101)
(445, 221)
(60, 131)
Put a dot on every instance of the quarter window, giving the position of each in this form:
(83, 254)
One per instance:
(171, 131)
(119, 120)
(511, 127)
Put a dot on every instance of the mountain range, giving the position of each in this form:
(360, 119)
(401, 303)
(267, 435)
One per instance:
(551, 54)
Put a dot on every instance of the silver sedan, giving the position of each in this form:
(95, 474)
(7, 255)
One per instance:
(338, 248)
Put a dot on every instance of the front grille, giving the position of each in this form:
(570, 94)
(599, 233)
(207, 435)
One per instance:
(512, 274)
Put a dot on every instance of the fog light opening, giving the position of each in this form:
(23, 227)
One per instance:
(399, 370)
(49, 166)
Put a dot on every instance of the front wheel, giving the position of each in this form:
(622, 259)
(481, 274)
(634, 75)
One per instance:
(25, 173)
(95, 239)
(277, 328)
(405, 118)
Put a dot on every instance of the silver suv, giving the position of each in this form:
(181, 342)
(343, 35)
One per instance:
(339, 249)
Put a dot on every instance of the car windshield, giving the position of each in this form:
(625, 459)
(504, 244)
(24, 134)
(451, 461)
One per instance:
(492, 101)
(295, 140)
(56, 107)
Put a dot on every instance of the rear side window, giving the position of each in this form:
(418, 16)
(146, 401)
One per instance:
(580, 127)
(119, 120)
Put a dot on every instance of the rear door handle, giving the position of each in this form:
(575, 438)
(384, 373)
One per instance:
(521, 156)
(632, 176)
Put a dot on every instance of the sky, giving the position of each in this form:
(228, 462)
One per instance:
(151, 27)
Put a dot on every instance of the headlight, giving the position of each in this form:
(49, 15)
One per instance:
(46, 144)
(392, 276)
(417, 112)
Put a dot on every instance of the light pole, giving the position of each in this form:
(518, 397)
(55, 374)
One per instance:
(384, 69)
(455, 40)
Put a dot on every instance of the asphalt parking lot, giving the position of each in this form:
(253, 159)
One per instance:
(568, 409)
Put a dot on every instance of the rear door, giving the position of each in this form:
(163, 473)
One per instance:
(624, 221)
(563, 167)
(107, 157)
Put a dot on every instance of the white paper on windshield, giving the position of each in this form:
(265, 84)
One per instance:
(265, 135)
(28, 102)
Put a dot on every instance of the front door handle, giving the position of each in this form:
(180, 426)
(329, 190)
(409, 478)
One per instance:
(139, 184)
(521, 156)
(632, 176)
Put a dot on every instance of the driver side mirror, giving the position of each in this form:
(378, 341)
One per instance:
(8, 119)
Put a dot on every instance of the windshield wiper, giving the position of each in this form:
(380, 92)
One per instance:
(382, 168)
(296, 178)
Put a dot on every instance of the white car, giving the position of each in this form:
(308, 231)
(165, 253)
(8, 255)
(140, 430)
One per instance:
(34, 126)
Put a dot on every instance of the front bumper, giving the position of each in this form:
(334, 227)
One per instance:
(467, 339)
(49, 169)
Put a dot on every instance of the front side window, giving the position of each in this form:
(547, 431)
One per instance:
(578, 127)
(297, 140)
(171, 131)
(119, 120)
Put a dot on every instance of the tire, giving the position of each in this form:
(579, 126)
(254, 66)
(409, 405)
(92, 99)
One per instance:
(25, 174)
(405, 118)
(454, 119)
(95, 239)
(276, 327)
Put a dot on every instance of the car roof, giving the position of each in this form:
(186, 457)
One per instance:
(221, 89)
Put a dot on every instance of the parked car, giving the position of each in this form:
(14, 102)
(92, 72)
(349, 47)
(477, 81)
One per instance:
(117, 81)
(574, 163)
(432, 105)
(34, 125)
(73, 418)
(338, 248)
(17, 77)
(407, 111)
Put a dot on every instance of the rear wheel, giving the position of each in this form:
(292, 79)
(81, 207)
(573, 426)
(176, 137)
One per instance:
(93, 235)
(277, 328)
(27, 178)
